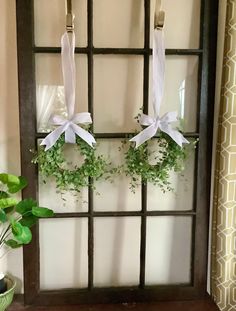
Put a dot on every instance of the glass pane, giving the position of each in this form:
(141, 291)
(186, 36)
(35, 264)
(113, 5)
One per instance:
(59, 201)
(168, 250)
(50, 21)
(182, 183)
(67, 237)
(181, 89)
(182, 23)
(118, 23)
(115, 195)
(116, 251)
(118, 92)
(50, 90)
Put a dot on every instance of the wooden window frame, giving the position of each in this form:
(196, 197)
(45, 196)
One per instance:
(29, 136)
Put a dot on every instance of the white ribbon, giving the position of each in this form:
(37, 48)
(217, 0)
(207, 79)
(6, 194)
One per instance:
(162, 123)
(70, 125)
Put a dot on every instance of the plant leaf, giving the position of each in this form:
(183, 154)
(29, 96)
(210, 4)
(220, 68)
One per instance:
(4, 195)
(25, 206)
(7, 202)
(28, 221)
(3, 216)
(21, 233)
(9, 210)
(13, 182)
(13, 244)
(42, 212)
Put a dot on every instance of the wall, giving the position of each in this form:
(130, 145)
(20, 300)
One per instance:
(9, 126)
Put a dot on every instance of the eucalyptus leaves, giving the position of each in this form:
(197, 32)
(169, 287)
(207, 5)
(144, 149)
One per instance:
(16, 217)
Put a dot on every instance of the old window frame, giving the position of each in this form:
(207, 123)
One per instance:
(29, 136)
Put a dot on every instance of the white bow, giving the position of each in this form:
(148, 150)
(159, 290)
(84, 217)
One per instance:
(70, 125)
(162, 123)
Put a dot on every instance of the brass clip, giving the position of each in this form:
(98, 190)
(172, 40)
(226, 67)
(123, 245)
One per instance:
(69, 17)
(159, 20)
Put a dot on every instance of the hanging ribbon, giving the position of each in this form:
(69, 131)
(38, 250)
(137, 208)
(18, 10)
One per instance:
(163, 123)
(70, 125)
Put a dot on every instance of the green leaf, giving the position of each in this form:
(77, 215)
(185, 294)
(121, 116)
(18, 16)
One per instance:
(25, 206)
(4, 195)
(42, 212)
(13, 182)
(28, 221)
(9, 210)
(21, 233)
(13, 244)
(3, 216)
(9, 179)
(8, 202)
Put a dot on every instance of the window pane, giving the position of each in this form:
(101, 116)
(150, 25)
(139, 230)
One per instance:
(181, 89)
(50, 21)
(118, 92)
(118, 23)
(50, 89)
(67, 236)
(168, 250)
(182, 23)
(115, 194)
(116, 251)
(181, 198)
(62, 201)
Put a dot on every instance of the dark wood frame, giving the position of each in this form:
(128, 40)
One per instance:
(200, 213)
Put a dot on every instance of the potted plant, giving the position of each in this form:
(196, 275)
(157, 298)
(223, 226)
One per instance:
(16, 219)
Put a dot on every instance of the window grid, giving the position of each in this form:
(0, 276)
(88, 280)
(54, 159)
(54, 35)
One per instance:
(32, 288)
(90, 51)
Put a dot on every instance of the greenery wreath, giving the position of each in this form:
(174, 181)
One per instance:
(53, 162)
(170, 157)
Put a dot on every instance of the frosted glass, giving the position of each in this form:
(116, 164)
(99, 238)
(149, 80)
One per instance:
(115, 195)
(182, 23)
(118, 92)
(182, 183)
(49, 19)
(118, 23)
(116, 251)
(63, 256)
(168, 250)
(181, 89)
(50, 90)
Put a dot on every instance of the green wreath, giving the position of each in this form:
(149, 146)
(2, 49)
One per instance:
(52, 163)
(171, 157)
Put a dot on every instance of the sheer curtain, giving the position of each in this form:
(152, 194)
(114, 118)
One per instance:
(50, 100)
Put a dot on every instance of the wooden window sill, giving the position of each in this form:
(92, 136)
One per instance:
(196, 305)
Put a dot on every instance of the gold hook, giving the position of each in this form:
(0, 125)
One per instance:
(69, 16)
(159, 19)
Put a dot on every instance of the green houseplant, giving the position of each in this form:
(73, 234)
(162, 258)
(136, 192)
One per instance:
(16, 219)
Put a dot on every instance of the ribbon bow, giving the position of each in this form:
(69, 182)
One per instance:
(70, 125)
(162, 123)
